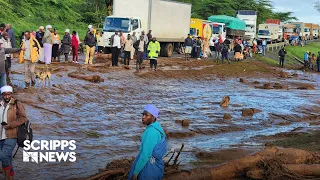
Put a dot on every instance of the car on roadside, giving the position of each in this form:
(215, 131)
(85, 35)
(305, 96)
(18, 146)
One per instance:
(293, 40)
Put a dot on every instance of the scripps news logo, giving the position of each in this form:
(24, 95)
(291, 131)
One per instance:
(49, 151)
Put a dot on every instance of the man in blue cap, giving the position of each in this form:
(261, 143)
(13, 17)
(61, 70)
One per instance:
(149, 164)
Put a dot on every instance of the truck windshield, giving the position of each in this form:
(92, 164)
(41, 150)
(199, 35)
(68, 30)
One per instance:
(249, 28)
(216, 29)
(264, 32)
(113, 24)
(306, 30)
(289, 30)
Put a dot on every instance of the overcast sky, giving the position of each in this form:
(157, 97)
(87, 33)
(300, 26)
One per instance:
(303, 10)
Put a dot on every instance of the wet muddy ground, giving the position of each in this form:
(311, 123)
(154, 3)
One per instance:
(105, 118)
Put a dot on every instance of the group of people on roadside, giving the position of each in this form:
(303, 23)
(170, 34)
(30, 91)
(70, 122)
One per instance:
(311, 61)
(146, 47)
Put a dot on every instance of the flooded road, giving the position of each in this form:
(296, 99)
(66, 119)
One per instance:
(105, 118)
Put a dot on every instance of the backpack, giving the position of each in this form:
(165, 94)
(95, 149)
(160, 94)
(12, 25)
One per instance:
(24, 131)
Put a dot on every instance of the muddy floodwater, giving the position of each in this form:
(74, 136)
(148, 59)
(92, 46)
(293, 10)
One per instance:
(105, 118)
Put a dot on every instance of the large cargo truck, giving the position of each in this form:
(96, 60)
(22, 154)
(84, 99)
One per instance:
(202, 28)
(300, 28)
(307, 31)
(270, 32)
(250, 18)
(289, 30)
(234, 27)
(168, 20)
(277, 22)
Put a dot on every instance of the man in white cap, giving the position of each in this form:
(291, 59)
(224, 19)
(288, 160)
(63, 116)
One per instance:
(149, 163)
(12, 116)
(39, 37)
(47, 44)
(66, 44)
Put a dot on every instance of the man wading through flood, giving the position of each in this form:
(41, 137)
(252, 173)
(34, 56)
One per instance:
(149, 164)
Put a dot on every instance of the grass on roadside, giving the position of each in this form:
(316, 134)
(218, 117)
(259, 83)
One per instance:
(298, 51)
(266, 60)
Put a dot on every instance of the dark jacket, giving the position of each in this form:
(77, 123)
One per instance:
(39, 37)
(188, 42)
(66, 43)
(90, 40)
(136, 45)
(318, 59)
(237, 48)
(12, 37)
(282, 53)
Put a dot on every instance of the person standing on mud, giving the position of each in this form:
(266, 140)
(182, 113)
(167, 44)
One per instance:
(188, 47)
(198, 47)
(4, 50)
(29, 55)
(8, 57)
(116, 46)
(282, 54)
(140, 46)
(39, 36)
(128, 46)
(66, 44)
(47, 45)
(134, 40)
(75, 47)
(12, 116)
(153, 53)
(56, 44)
(90, 41)
(149, 164)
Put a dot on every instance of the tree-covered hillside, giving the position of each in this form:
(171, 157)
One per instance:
(62, 14)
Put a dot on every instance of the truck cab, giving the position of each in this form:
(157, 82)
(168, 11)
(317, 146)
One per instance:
(218, 29)
(270, 32)
(127, 25)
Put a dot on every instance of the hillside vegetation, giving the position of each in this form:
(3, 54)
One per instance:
(62, 14)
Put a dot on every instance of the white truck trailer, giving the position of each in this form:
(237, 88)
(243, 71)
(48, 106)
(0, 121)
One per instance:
(250, 17)
(270, 32)
(169, 21)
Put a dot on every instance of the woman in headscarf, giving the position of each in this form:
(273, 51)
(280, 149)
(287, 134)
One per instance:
(47, 45)
(56, 43)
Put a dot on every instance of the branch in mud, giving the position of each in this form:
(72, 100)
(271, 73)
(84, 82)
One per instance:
(94, 78)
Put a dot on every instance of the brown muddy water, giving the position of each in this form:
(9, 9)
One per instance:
(105, 118)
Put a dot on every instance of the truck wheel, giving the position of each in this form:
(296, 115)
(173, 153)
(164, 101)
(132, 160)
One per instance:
(167, 50)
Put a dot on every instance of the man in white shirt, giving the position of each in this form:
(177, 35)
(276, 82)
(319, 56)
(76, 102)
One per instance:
(264, 46)
(116, 46)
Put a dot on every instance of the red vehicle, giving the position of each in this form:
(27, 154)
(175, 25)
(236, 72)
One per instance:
(289, 30)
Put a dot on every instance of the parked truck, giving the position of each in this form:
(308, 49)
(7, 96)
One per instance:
(300, 29)
(234, 27)
(169, 21)
(278, 22)
(270, 32)
(250, 18)
(289, 30)
(202, 28)
(307, 31)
